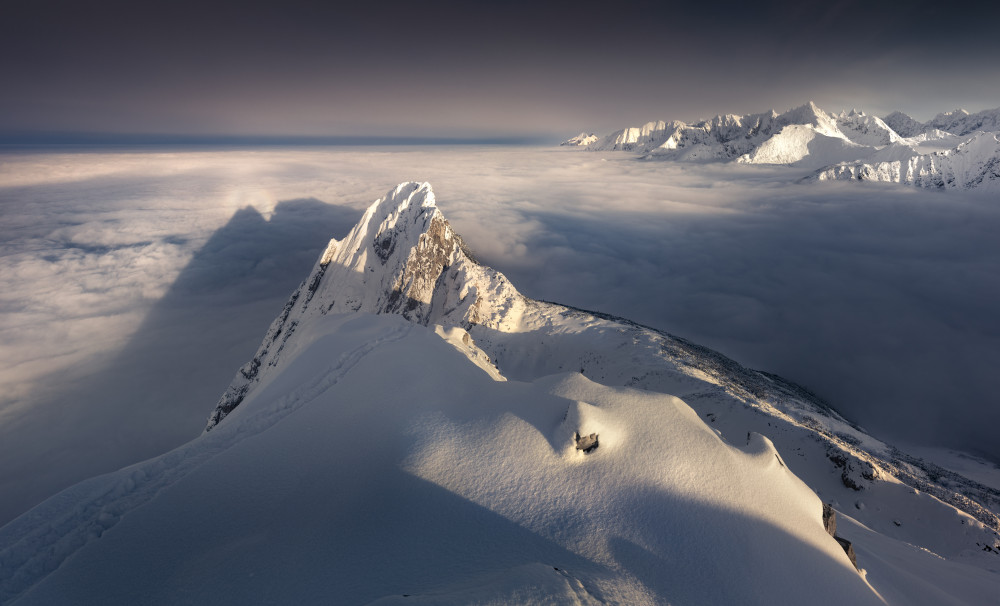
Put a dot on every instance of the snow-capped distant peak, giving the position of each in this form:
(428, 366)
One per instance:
(808, 113)
(582, 140)
(952, 115)
(904, 125)
(807, 136)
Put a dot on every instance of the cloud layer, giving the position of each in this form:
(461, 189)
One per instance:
(135, 284)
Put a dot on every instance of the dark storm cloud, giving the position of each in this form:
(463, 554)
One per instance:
(450, 68)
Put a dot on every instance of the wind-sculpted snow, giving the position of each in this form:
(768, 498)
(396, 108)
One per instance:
(360, 457)
(850, 145)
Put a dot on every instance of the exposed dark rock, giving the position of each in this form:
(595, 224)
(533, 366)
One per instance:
(385, 244)
(830, 519)
(856, 472)
(587, 444)
(830, 524)
(849, 550)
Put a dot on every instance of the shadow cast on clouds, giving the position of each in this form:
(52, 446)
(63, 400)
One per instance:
(156, 392)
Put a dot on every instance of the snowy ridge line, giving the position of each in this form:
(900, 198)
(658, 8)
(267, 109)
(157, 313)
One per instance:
(37, 547)
(733, 378)
(776, 397)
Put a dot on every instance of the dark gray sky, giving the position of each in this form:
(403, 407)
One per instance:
(477, 68)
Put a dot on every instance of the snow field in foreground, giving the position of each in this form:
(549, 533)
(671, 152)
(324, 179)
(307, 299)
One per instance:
(354, 489)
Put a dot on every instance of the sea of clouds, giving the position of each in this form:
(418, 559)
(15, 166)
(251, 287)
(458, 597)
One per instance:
(133, 283)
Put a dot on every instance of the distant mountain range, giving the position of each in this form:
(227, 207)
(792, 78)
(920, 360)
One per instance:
(953, 150)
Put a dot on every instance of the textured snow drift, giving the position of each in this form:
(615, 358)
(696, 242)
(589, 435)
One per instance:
(949, 151)
(371, 451)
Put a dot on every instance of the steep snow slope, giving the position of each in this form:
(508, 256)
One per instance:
(360, 456)
(378, 462)
(804, 146)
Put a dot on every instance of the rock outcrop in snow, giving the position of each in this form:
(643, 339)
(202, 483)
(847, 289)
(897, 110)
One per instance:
(849, 145)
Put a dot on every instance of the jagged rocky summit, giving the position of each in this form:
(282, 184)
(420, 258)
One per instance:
(953, 150)
(409, 406)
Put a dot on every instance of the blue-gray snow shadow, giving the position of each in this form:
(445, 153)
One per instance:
(882, 302)
(157, 392)
(351, 540)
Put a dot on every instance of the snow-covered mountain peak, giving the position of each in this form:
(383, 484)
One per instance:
(808, 113)
(390, 435)
(903, 124)
(403, 258)
(956, 113)
(582, 140)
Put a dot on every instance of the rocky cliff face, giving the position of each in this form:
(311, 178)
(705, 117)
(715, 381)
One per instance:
(402, 258)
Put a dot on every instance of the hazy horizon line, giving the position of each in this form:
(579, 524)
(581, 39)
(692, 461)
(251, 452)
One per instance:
(61, 139)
